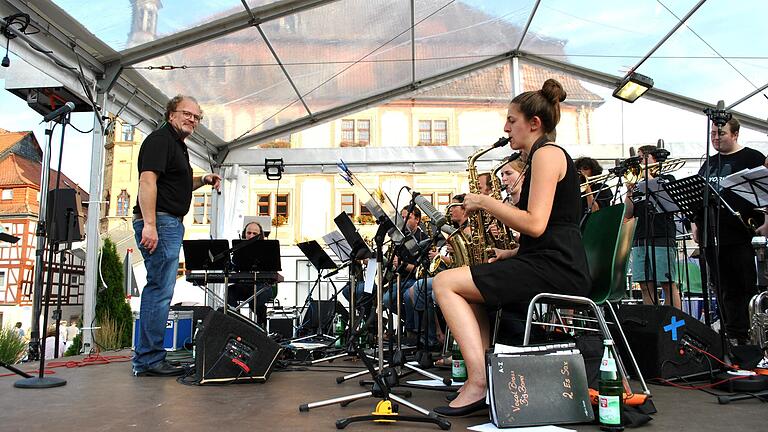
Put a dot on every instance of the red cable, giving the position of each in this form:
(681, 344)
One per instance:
(90, 360)
(700, 387)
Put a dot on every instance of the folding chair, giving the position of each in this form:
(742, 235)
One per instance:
(607, 242)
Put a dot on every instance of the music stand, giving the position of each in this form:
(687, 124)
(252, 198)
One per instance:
(207, 255)
(688, 193)
(658, 196)
(202, 254)
(256, 255)
(750, 184)
(321, 261)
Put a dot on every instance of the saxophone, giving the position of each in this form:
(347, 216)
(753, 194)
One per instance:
(479, 221)
(437, 261)
(458, 241)
(502, 240)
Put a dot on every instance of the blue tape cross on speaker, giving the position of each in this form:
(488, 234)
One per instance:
(673, 325)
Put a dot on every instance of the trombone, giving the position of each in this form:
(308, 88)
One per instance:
(634, 173)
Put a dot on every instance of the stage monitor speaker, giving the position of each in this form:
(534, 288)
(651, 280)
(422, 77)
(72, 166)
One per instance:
(230, 348)
(67, 212)
(663, 338)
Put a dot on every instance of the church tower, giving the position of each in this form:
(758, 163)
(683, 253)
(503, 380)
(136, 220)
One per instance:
(144, 21)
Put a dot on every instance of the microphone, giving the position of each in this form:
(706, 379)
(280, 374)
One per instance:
(632, 152)
(436, 217)
(660, 143)
(720, 117)
(65, 109)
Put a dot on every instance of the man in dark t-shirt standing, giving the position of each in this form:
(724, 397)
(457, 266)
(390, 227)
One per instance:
(165, 193)
(735, 260)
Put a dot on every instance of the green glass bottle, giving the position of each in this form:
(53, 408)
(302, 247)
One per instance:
(458, 367)
(610, 390)
(338, 331)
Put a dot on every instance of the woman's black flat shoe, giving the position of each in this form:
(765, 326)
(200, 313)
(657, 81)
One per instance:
(451, 396)
(466, 410)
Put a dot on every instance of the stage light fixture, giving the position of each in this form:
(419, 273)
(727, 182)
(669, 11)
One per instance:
(274, 168)
(632, 87)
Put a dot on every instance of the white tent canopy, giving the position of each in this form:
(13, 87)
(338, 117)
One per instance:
(262, 69)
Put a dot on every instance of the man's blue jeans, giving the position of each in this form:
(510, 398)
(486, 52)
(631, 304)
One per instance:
(414, 299)
(161, 266)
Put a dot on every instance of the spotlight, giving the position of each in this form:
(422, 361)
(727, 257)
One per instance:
(632, 87)
(274, 168)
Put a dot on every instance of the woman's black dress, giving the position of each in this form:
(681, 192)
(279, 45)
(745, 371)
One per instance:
(554, 262)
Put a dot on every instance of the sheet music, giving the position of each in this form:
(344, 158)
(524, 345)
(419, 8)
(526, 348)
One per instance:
(750, 184)
(661, 201)
(339, 245)
(370, 276)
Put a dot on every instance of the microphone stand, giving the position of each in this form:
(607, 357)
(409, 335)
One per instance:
(42, 381)
(719, 118)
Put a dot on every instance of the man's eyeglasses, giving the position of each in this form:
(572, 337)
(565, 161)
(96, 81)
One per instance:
(190, 115)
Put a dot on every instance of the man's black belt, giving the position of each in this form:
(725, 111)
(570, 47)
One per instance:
(138, 216)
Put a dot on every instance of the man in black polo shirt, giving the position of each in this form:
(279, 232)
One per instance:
(165, 193)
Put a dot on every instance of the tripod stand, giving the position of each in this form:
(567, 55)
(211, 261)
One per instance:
(321, 261)
(384, 378)
(36, 347)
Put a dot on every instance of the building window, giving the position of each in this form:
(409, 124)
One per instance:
(281, 205)
(363, 132)
(364, 210)
(201, 211)
(355, 133)
(127, 132)
(2, 278)
(348, 204)
(264, 203)
(443, 199)
(123, 203)
(7, 194)
(433, 132)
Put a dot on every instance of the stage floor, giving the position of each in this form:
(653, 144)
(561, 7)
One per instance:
(108, 398)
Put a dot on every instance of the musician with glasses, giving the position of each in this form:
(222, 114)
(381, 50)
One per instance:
(164, 197)
(735, 262)
(654, 243)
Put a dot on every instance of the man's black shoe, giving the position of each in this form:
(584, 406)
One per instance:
(161, 369)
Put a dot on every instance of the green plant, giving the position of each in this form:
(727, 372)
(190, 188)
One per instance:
(77, 343)
(110, 300)
(109, 334)
(12, 346)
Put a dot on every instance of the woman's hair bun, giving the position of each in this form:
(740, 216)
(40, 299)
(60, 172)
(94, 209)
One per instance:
(553, 91)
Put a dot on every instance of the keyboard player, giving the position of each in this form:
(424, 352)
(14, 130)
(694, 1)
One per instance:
(265, 287)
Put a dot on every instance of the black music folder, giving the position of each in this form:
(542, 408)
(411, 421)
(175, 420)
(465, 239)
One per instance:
(317, 255)
(201, 254)
(541, 387)
(256, 255)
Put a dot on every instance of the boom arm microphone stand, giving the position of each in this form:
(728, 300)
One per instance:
(384, 378)
(41, 381)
